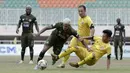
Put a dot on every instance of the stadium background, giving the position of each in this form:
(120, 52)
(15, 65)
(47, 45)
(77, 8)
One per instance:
(103, 13)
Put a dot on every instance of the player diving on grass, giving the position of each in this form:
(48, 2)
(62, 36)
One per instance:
(85, 28)
(58, 37)
(90, 55)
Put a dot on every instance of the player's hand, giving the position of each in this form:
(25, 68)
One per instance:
(17, 31)
(80, 39)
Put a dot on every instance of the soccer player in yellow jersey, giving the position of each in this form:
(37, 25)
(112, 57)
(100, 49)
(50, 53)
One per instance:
(85, 28)
(90, 55)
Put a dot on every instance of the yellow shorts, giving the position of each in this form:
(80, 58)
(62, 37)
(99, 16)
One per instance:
(82, 53)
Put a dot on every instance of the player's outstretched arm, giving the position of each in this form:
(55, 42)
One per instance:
(86, 45)
(44, 29)
(86, 37)
(108, 61)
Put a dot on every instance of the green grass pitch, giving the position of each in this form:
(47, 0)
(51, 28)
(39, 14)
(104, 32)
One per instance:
(9, 64)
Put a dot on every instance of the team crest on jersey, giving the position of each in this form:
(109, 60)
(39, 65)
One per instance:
(119, 26)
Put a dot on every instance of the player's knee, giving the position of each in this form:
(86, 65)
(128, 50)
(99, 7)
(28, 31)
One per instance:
(31, 46)
(23, 49)
(31, 51)
(120, 46)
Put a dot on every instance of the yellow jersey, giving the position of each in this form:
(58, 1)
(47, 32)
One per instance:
(100, 48)
(84, 26)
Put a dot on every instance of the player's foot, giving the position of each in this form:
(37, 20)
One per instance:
(53, 62)
(61, 66)
(30, 62)
(74, 65)
(81, 66)
(54, 58)
(21, 61)
(36, 67)
(116, 58)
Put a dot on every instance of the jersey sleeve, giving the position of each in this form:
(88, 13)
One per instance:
(56, 25)
(35, 19)
(90, 22)
(115, 28)
(74, 32)
(21, 17)
(20, 20)
(109, 50)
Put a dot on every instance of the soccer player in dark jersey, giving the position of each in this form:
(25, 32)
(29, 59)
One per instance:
(119, 35)
(58, 37)
(27, 21)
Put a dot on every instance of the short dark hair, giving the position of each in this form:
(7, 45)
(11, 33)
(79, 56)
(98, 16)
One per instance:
(108, 32)
(118, 19)
(82, 6)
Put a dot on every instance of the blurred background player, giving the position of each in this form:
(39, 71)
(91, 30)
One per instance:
(119, 36)
(85, 28)
(58, 37)
(90, 55)
(27, 21)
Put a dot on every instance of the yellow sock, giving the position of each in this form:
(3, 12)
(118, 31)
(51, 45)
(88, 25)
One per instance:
(89, 57)
(67, 52)
(65, 59)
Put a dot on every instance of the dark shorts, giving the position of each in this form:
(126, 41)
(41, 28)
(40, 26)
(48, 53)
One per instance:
(118, 41)
(56, 43)
(27, 39)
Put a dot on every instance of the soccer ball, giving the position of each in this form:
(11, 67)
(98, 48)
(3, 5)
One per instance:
(42, 64)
